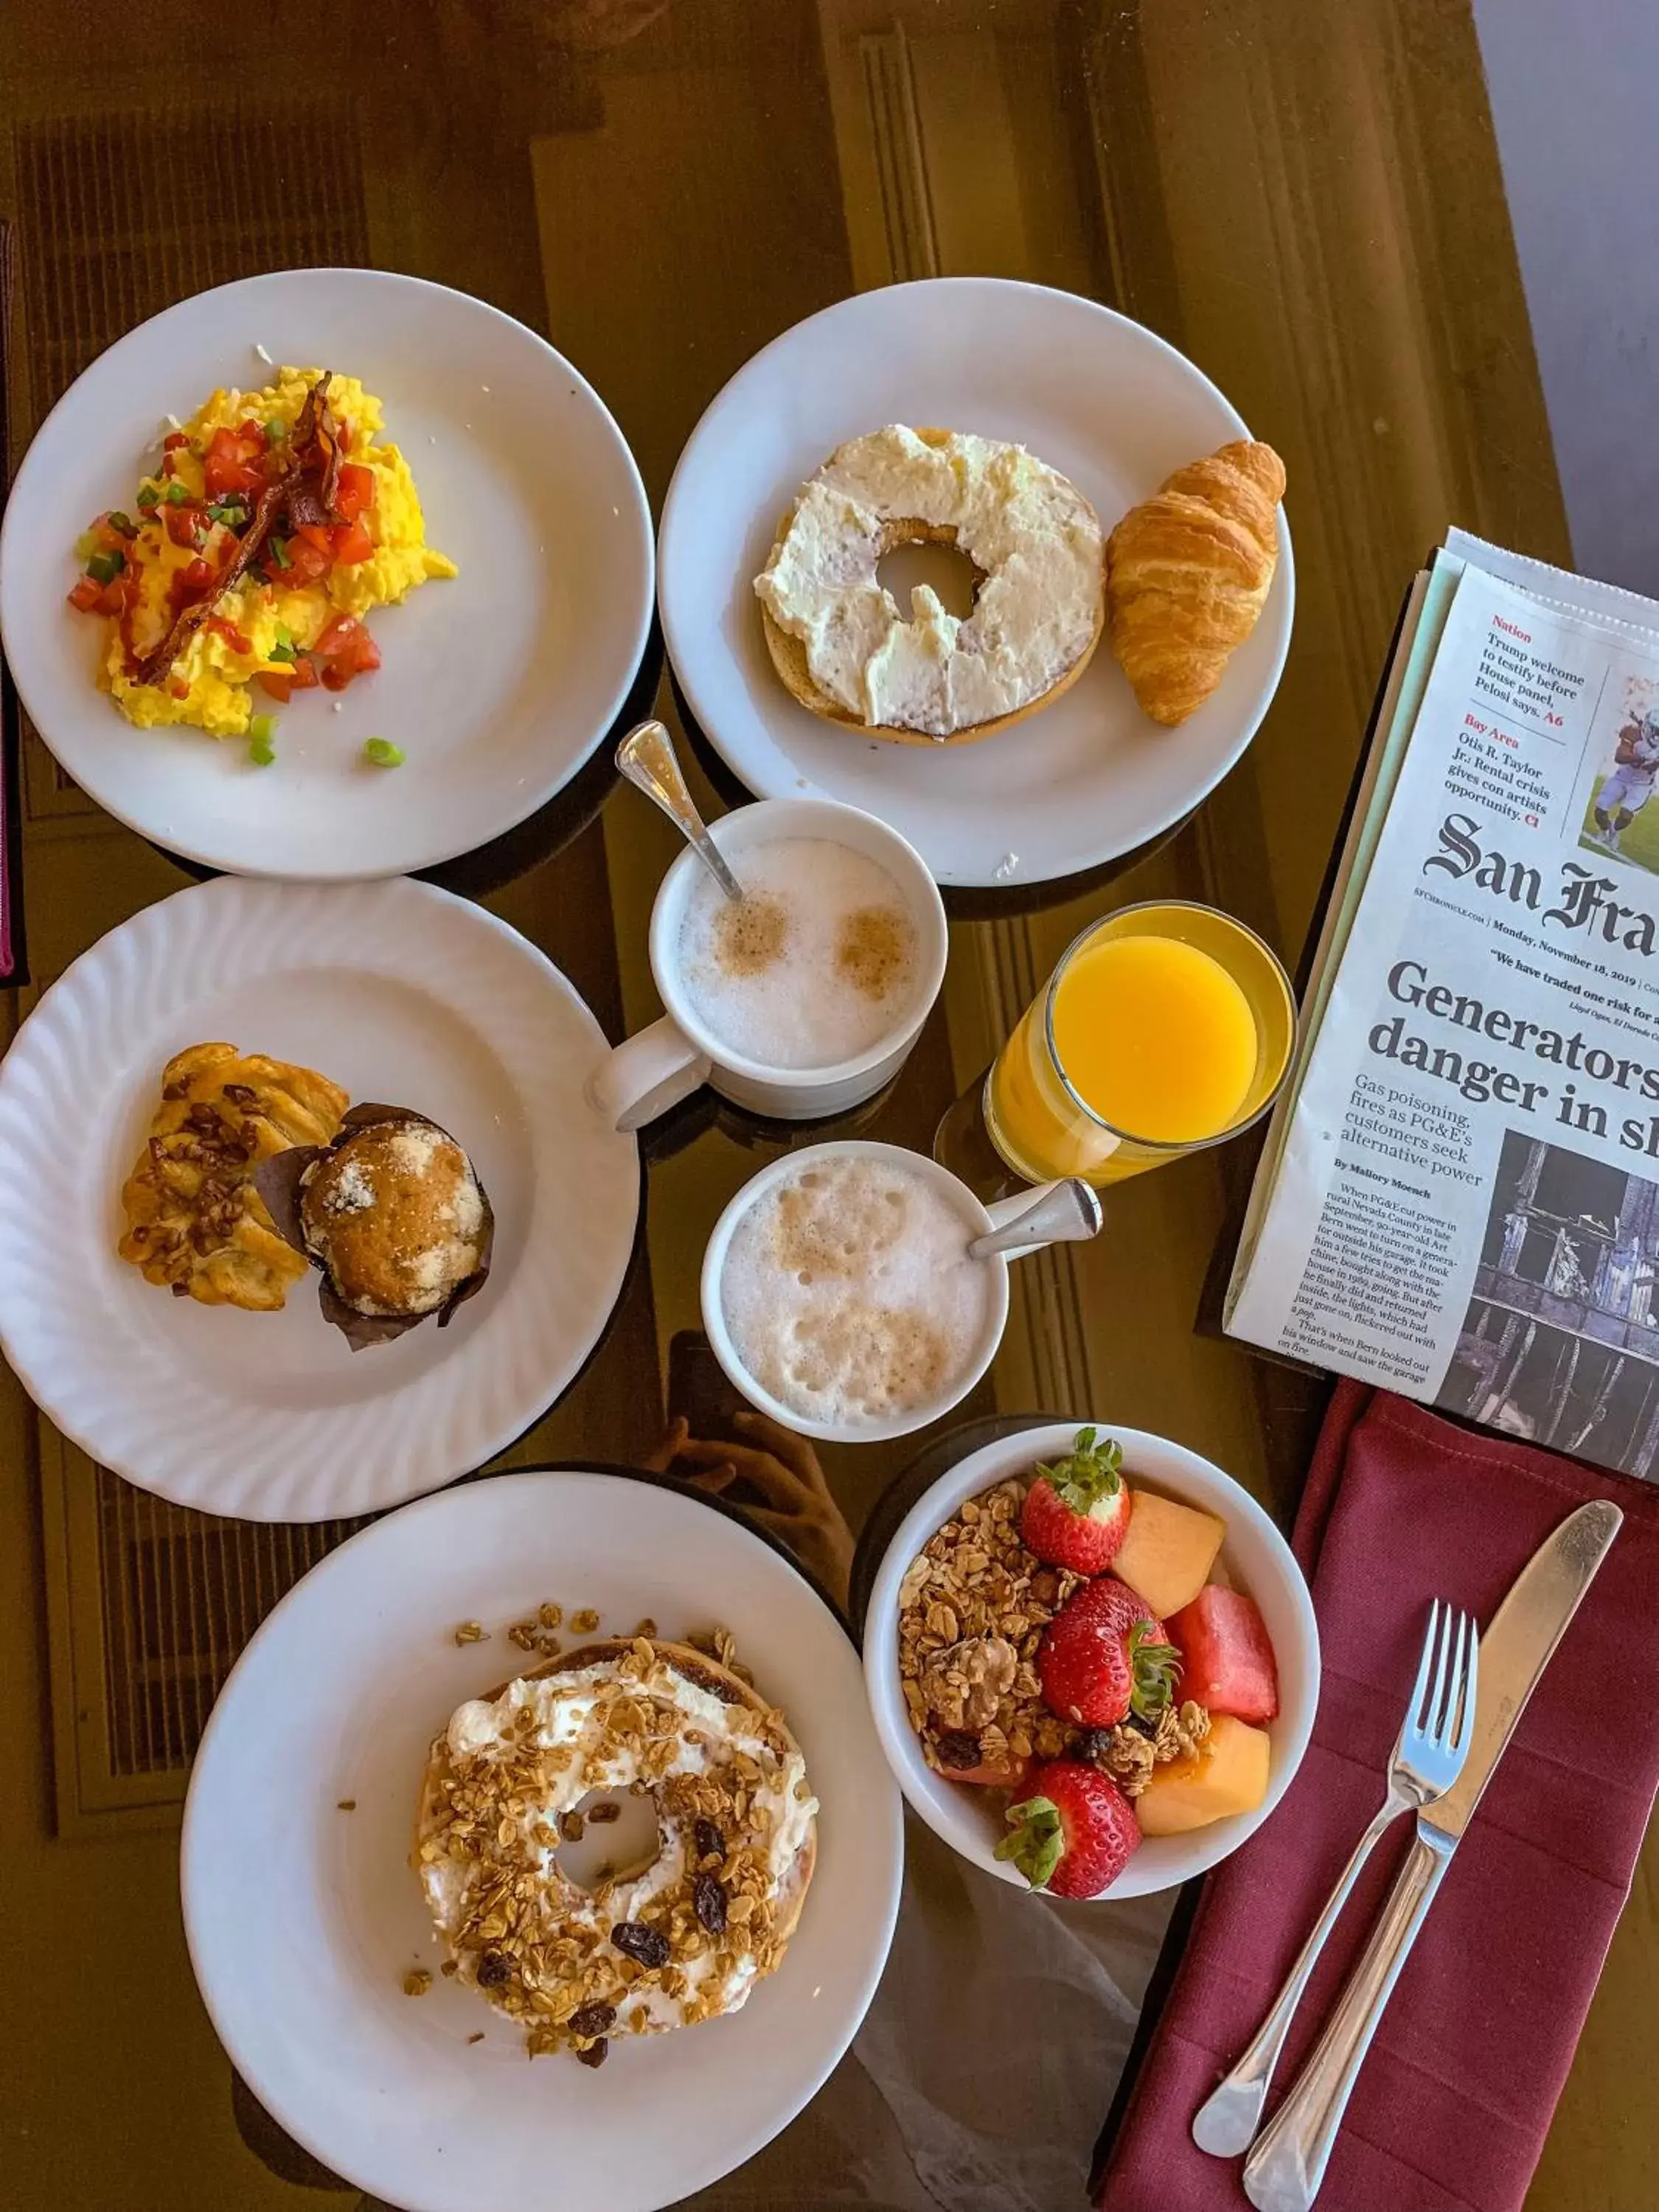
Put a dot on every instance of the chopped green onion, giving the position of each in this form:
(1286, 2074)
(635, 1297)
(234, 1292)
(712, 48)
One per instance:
(261, 733)
(280, 554)
(105, 568)
(381, 752)
(86, 545)
(230, 512)
(122, 525)
(147, 494)
(276, 428)
(176, 494)
(283, 648)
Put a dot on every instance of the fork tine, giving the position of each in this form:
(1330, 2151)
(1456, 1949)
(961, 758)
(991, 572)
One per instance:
(1420, 1687)
(1432, 1724)
(1471, 1685)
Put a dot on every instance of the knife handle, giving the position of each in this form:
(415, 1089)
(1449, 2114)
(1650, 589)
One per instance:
(1283, 2172)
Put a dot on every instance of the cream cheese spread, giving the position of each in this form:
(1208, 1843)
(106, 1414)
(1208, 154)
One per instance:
(1031, 532)
(688, 1731)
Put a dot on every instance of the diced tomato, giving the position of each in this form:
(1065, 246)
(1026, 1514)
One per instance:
(172, 441)
(186, 526)
(308, 561)
(86, 595)
(254, 433)
(232, 463)
(192, 582)
(114, 597)
(237, 640)
(347, 650)
(178, 688)
(352, 544)
(354, 491)
(283, 683)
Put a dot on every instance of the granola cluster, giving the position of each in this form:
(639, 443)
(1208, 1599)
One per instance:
(973, 1605)
(550, 1954)
(1128, 1753)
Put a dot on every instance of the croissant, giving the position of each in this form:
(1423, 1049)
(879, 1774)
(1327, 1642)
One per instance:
(1188, 573)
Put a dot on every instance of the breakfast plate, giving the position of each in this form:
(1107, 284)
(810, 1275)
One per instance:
(400, 992)
(1087, 778)
(332, 1706)
(496, 685)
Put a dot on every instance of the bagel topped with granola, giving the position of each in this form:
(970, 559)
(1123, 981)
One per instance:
(684, 1934)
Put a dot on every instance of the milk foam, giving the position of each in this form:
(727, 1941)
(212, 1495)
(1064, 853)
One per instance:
(784, 985)
(848, 1293)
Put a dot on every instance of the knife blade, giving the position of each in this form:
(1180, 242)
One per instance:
(1287, 2165)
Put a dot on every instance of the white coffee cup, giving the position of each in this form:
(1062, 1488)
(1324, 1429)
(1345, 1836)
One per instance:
(650, 1072)
(977, 1220)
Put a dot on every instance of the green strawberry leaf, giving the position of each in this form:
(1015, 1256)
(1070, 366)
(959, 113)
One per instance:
(1152, 1671)
(1035, 1842)
(1088, 1474)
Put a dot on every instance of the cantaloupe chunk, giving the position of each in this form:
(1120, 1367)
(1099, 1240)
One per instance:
(1228, 1773)
(1167, 1556)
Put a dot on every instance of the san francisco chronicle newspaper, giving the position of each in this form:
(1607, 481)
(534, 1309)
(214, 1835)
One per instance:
(1460, 1196)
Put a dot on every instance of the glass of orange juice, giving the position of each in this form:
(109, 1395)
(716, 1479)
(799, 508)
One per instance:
(1166, 1027)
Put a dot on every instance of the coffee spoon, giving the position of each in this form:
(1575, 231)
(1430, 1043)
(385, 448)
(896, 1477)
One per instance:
(646, 756)
(1059, 1213)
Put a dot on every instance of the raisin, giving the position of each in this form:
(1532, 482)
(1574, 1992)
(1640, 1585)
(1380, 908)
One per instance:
(594, 2020)
(1045, 1585)
(600, 1815)
(1091, 1746)
(708, 1899)
(241, 1094)
(956, 1748)
(710, 1843)
(636, 1940)
(594, 2055)
(493, 1971)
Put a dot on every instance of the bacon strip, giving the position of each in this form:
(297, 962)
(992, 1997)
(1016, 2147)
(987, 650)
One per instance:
(313, 425)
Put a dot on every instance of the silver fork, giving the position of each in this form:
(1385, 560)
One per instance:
(1428, 1758)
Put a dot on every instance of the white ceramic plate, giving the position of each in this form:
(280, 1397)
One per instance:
(403, 994)
(1097, 395)
(498, 685)
(339, 1695)
(1254, 1557)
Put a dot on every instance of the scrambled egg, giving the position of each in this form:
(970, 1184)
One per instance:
(208, 686)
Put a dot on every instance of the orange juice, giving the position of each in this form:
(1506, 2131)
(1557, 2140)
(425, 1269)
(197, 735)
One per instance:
(1156, 1036)
(1165, 1027)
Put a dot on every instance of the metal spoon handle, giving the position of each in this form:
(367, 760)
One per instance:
(1063, 1212)
(646, 757)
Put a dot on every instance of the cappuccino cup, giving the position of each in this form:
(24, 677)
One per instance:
(804, 998)
(838, 1295)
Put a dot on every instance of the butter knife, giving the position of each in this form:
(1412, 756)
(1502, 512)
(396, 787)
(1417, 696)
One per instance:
(1287, 2165)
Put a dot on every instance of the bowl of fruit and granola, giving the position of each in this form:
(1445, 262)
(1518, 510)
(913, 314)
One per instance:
(1092, 1660)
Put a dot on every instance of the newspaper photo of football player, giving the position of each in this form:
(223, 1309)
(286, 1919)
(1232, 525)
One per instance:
(1626, 787)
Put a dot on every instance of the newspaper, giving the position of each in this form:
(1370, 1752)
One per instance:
(1459, 1196)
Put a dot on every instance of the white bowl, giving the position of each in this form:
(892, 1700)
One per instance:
(1254, 1557)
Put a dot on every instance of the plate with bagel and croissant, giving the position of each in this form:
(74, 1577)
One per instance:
(989, 561)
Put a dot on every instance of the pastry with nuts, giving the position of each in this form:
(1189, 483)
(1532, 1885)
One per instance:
(392, 1215)
(1062, 1641)
(195, 1220)
(682, 1934)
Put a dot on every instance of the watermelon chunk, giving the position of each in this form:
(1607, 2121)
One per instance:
(1227, 1656)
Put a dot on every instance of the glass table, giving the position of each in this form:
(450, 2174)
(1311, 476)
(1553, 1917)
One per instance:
(1383, 230)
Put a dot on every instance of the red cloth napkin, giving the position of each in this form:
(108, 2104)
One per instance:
(1451, 2108)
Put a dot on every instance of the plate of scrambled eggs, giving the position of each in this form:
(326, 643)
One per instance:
(240, 656)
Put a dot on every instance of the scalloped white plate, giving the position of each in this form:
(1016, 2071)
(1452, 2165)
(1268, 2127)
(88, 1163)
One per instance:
(1088, 390)
(401, 993)
(498, 684)
(339, 1695)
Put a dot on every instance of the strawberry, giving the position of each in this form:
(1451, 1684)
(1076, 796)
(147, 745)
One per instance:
(1073, 1833)
(1103, 1656)
(1077, 1512)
